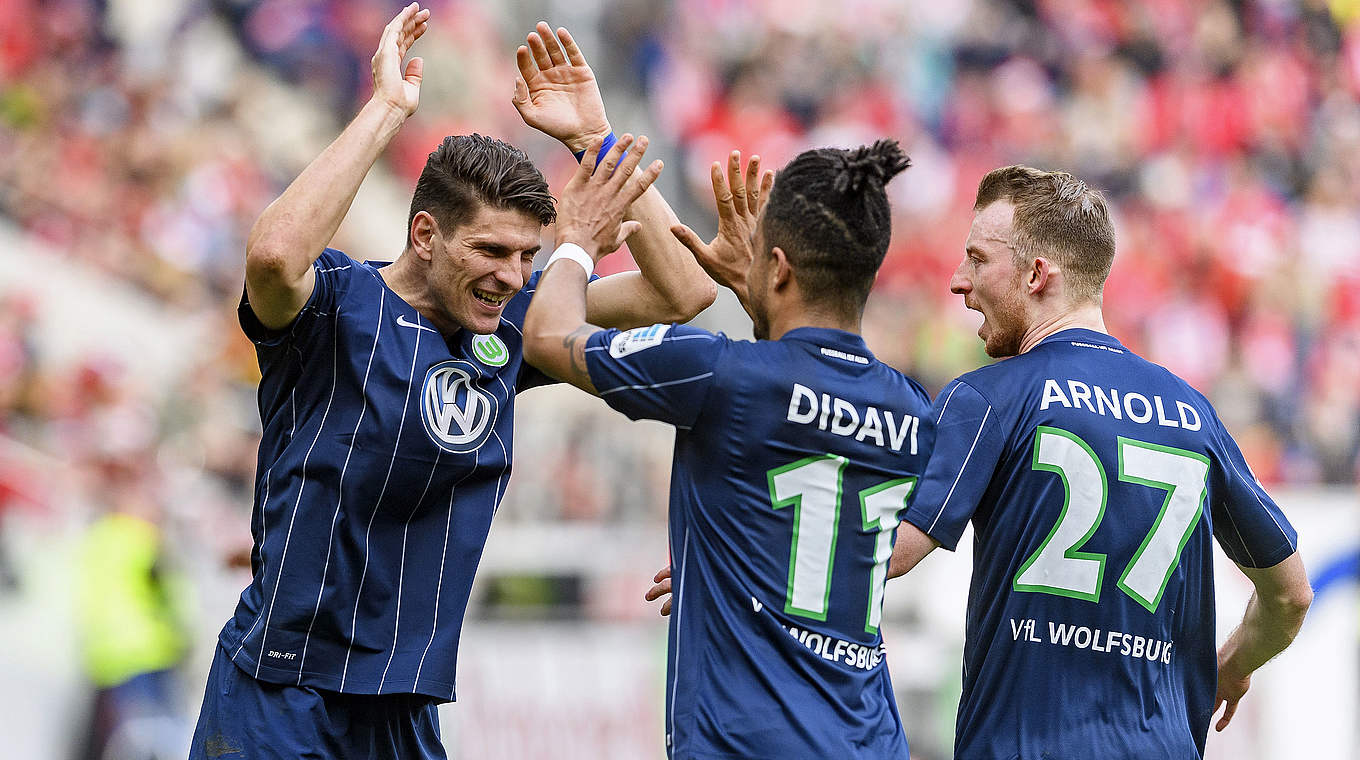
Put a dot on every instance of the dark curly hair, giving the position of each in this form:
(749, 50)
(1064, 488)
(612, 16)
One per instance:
(828, 212)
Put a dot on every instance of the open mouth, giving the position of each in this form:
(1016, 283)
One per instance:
(490, 299)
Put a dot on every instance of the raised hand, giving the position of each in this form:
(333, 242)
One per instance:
(662, 579)
(394, 84)
(591, 208)
(727, 257)
(556, 92)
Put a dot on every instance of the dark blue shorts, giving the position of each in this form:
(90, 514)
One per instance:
(246, 719)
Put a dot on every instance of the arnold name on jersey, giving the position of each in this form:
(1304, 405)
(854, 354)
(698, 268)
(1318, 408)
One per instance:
(1134, 406)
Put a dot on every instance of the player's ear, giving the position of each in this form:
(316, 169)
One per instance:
(1039, 275)
(424, 230)
(781, 274)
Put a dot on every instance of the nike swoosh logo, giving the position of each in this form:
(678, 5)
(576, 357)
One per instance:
(401, 320)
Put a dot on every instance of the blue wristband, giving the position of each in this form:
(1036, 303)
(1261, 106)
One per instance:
(609, 141)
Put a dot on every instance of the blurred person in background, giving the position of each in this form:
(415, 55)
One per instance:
(131, 610)
(20, 409)
(774, 649)
(387, 402)
(1096, 482)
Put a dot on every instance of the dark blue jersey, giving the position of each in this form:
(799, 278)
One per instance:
(385, 452)
(1094, 480)
(793, 461)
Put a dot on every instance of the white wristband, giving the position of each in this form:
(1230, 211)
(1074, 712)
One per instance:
(575, 253)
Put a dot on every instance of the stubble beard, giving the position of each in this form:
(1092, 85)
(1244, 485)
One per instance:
(760, 318)
(760, 328)
(1008, 332)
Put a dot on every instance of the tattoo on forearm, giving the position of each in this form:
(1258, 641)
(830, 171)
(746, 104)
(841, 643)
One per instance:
(575, 343)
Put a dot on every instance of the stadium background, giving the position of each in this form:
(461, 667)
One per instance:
(140, 138)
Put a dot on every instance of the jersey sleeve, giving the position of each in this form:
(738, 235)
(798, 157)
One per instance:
(968, 445)
(661, 372)
(334, 271)
(1247, 522)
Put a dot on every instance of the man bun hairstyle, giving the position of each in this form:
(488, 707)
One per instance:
(829, 213)
(1057, 217)
(467, 171)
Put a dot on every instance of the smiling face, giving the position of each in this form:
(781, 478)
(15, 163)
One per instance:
(476, 267)
(990, 281)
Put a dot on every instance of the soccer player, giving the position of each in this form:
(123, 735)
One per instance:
(794, 456)
(387, 403)
(1094, 480)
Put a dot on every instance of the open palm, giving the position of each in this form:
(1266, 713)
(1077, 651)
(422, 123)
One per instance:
(392, 82)
(727, 257)
(556, 92)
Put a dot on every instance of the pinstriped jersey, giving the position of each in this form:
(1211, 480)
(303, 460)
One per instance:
(1095, 482)
(793, 460)
(385, 452)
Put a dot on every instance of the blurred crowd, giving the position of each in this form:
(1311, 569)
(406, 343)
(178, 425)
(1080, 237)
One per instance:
(1226, 134)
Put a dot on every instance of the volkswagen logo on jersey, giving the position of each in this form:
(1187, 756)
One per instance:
(457, 414)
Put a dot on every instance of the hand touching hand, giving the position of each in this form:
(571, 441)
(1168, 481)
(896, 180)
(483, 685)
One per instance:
(662, 588)
(727, 257)
(591, 208)
(392, 84)
(556, 92)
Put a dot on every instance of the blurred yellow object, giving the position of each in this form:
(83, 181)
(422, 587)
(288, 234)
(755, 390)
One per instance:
(127, 620)
(1346, 12)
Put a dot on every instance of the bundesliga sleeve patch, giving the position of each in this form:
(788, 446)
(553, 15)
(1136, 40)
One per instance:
(640, 339)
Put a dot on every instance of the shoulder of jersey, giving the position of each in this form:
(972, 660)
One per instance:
(914, 385)
(993, 374)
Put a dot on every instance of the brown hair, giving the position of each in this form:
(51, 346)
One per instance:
(1057, 216)
(468, 170)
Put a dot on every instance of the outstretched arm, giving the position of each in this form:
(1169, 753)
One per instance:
(1273, 618)
(589, 220)
(912, 546)
(294, 230)
(556, 93)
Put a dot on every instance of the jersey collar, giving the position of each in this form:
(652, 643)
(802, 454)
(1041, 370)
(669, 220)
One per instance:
(1084, 335)
(828, 337)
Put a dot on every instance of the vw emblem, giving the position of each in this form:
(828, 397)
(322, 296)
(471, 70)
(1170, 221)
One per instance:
(457, 414)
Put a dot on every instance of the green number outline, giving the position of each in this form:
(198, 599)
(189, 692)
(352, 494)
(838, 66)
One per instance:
(864, 495)
(1072, 552)
(1170, 489)
(797, 502)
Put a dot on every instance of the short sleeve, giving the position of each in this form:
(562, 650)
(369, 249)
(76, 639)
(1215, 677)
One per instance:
(1247, 522)
(968, 445)
(661, 372)
(334, 271)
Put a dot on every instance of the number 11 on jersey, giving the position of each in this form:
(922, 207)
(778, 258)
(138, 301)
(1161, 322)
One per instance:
(813, 487)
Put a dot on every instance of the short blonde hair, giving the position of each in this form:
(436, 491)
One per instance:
(1056, 216)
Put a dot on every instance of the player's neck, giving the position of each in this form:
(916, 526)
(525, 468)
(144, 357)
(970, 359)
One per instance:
(410, 286)
(1086, 316)
(811, 317)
